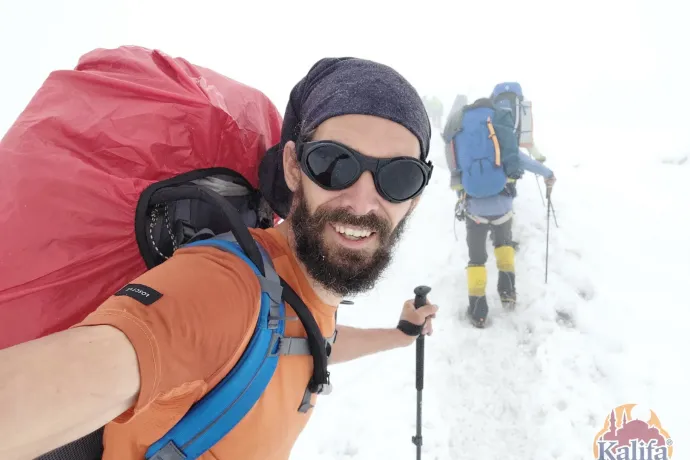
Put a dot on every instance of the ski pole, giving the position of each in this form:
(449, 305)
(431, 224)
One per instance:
(420, 293)
(555, 221)
(541, 195)
(550, 203)
(548, 227)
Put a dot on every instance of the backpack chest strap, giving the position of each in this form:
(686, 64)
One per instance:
(294, 346)
(300, 345)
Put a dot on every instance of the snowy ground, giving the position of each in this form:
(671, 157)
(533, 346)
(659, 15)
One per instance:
(529, 387)
(607, 329)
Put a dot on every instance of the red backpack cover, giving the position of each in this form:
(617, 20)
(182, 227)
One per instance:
(74, 165)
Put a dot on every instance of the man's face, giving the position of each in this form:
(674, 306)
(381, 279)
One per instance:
(345, 238)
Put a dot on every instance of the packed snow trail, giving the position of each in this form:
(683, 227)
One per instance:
(539, 382)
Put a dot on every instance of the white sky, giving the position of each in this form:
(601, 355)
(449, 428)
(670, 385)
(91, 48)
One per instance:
(606, 77)
(597, 71)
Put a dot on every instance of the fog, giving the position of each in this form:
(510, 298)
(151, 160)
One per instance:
(606, 77)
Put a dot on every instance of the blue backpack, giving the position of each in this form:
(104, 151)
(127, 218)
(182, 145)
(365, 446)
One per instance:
(486, 149)
(221, 409)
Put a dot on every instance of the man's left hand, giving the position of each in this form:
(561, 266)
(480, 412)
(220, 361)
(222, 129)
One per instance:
(419, 316)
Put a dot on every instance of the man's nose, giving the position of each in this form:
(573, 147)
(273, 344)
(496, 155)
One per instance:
(362, 196)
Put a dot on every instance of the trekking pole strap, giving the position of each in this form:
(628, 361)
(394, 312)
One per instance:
(548, 228)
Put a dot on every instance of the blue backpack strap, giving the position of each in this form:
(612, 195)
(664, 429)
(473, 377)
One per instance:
(217, 413)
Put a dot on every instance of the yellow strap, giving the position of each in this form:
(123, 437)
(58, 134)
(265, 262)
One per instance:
(492, 136)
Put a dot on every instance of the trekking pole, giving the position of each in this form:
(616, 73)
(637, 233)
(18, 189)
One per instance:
(420, 293)
(548, 226)
(555, 221)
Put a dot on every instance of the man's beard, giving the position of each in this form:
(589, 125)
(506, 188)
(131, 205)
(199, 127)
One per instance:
(340, 270)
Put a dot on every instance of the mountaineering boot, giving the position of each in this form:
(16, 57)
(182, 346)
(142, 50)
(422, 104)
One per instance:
(505, 260)
(506, 289)
(478, 309)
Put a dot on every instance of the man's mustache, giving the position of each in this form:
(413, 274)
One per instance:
(342, 216)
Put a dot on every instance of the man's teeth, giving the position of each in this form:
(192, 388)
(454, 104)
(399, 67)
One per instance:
(353, 232)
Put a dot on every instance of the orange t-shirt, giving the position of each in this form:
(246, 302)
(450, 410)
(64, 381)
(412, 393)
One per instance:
(193, 335)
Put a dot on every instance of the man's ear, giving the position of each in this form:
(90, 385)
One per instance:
(291, 166)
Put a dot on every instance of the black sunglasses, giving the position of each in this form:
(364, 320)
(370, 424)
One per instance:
(335, 166)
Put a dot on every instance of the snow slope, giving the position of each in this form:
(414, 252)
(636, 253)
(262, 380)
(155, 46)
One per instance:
(607, 329)
(530, 386)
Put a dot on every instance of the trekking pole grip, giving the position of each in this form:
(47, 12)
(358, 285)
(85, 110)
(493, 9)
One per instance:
(420, 293)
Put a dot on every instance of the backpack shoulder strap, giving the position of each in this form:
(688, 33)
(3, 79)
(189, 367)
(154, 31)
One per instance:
(315, 343)
(219, 411)
(510, 155)
(89, 447)
(318, 347)
(222, 408)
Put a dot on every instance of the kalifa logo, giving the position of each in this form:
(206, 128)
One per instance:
(629, 434)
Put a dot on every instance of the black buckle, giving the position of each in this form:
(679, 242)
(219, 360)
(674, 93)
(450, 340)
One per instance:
(321, 388)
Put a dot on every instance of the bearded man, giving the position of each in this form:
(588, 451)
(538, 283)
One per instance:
(347, 174)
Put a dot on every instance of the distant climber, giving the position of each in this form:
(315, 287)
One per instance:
(434, 108)
(488, 162)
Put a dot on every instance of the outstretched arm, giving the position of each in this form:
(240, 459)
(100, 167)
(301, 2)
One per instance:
(536, 154)
(352, 343)
(63, 386)
(533, 166)
(536, 167)
(128, 354)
